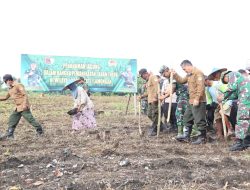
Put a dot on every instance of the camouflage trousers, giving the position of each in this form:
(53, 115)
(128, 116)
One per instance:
(242, 127)
(153, 112)
(180, 110)
(144, 106)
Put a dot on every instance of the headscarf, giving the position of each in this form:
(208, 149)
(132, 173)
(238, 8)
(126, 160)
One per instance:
(73, 89)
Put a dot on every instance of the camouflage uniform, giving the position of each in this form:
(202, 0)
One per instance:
(33, 76)
(182, 100)
(144, 101)
(241, 88)
(141, 89)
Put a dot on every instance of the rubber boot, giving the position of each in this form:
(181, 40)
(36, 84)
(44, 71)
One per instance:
(238, 145)
(201, 138)
(180, 132)
(247, 141)
(195, 131)
(8, 135)
(152, 131)
(186, 134)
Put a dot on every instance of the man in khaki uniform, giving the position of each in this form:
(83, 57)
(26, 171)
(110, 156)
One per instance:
(196, 109)
(152, 94)
(18, 94)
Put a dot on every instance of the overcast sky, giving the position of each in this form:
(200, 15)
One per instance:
(211, 33)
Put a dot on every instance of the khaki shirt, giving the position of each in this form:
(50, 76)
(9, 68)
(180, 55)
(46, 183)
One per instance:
(196, 86)
(152, 88)
(18, 94)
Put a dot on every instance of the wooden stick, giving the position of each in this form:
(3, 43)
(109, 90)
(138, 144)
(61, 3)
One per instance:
(170, 97)
(128, 104)
(223, 121)
(135, 104)
(159, 110)
(139, 111)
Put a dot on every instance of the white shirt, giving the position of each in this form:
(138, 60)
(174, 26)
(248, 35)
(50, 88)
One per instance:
(82, 98)
(166, 88)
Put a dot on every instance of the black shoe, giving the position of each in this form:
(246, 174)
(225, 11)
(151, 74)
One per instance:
(152, 131)
(238, 146)
(163, 128)
(8, 135)
(39, 131)
(247, 141)
(170, 128)
(201, 138)
(183, 138)
(186, 135)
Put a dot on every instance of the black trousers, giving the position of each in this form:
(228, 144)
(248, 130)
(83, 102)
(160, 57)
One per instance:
(172, 113)
(197, 115)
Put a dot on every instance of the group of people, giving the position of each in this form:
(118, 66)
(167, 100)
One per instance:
(218, 102)
(82, 118)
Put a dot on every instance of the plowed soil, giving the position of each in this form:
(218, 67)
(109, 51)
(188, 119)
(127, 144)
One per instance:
(113, 156)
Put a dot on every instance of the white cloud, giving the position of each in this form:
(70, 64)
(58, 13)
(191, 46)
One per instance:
(155, 32)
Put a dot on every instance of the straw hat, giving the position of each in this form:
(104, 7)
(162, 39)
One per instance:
(215, 70)
(69, 82)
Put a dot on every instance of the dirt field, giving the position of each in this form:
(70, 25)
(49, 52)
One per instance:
(120, 159)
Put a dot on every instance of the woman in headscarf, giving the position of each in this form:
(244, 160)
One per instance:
(84, 117)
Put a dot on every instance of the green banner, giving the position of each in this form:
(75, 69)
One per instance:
(51, 73)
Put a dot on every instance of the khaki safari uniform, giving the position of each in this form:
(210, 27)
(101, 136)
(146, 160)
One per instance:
(18, 94)
(196, 88)
(152, 94)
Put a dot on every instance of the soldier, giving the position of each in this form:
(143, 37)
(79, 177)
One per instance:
(196, 108)
(141, 89)
(245, 73)
(17, 92)
(129, 78)
(144, 101)
(152, 94)
(33, 75)
(248, 70)
(239, 87)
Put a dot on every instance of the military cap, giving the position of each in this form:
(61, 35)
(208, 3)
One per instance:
(163, 68)
(7, 77)
(142, 71)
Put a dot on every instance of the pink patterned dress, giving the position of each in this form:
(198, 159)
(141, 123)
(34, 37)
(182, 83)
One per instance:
(85, 117)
